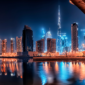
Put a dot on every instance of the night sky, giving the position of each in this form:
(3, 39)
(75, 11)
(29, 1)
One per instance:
(38, 14)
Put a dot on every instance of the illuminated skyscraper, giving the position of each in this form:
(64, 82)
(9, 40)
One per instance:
(12, 44)
(48, 35)
(0, 46)
(4, 46)
(74, 36)
(40, 45)
(59, 32)
(27, 39)
(63, 42)
(19, 44)
(51, 45)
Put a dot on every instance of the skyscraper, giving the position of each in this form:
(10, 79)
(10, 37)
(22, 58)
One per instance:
(74, 36)
(12, 45)
(4, 46)
(27, 39)
(48, 35)
(51, 45)
(59, 31)
(19, 44)
(40, 45)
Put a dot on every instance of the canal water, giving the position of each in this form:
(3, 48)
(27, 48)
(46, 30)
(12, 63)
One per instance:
(27, 72)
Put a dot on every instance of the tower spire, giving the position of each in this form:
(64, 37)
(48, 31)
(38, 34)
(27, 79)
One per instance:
(59, 31)
(59, 23)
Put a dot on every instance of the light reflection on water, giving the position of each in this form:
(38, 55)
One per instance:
(27, 72)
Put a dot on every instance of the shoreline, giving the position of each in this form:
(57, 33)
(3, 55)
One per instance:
(19, 57)
(58, 58)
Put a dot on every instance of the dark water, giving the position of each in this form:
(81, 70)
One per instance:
(27, 72)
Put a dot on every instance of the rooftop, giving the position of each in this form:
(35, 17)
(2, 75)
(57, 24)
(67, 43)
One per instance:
(26, 27)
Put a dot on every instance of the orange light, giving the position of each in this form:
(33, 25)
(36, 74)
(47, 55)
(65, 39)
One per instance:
(21, 77)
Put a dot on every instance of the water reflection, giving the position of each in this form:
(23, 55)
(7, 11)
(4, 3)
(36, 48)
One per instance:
(12, 66)
(68, 73)
(27, 72)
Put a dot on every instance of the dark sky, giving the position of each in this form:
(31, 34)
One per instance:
(38, 14)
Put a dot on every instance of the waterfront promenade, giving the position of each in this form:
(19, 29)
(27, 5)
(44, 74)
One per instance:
(58, 58)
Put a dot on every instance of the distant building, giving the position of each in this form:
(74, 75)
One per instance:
(40, 45)
(27, 39)
(19, 44)
(48, 35)
(4, 46)
(51, 45)
(12, 44)
(0, 46)
(74, 36)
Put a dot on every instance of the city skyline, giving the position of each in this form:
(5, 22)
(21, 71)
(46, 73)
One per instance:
(42, 42)
(37, 18)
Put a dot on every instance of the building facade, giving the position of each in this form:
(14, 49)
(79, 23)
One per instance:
(74, 36)
(40, 45)
(19, 44)
(12, 45)
(51, 45)
(27, 39)
(4, 46)
(63, 43)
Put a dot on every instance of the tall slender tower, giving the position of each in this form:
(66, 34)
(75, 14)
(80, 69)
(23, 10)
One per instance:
(59, 31)
(74, 36)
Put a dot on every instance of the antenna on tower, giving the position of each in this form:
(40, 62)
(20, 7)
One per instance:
(59, 31)
(59, 23)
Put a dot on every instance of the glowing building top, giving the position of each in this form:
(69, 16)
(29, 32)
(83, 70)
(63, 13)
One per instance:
(48, 34)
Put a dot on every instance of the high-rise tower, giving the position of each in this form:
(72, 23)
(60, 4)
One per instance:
(74, 36)
(12, 45)
(51, 45)
(19, 44)
(27, 39)
(48, 35)
(59, 31)
(40, 45)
